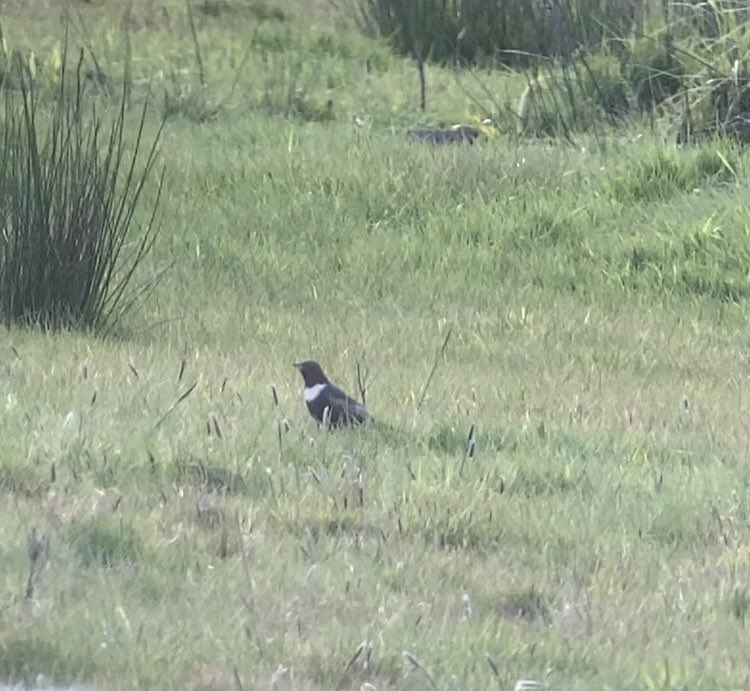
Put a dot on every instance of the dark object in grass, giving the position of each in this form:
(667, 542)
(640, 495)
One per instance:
(326, 402)
(458, 134)
(737, 129)
(100, 80)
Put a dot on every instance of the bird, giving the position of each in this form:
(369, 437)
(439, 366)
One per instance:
(325, 401)
(456, 134)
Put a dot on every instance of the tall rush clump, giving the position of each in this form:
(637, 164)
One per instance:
(70, 186)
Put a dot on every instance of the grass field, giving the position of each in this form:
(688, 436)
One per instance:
(582, 308)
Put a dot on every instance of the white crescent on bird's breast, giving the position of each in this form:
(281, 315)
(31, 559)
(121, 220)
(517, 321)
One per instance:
(312, 392)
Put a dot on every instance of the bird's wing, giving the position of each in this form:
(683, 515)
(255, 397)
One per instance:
(351, 407)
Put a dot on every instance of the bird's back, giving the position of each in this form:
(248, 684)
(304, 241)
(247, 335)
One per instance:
(342, 409)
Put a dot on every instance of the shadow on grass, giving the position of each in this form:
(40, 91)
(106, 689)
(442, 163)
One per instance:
(24, 660)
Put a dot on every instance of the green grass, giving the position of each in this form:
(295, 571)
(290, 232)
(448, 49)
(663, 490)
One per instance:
(597, 303)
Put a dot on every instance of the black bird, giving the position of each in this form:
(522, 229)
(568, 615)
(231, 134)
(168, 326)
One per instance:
(325, 401)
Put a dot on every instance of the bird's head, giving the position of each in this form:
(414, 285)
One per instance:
(311, 372)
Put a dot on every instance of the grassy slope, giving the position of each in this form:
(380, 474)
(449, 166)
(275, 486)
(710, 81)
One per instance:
(599, 535)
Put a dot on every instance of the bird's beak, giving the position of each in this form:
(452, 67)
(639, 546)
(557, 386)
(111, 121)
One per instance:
(296, 364)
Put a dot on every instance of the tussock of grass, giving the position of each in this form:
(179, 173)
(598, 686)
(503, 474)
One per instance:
(69, 194)
(104, 541)
(663, 173)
